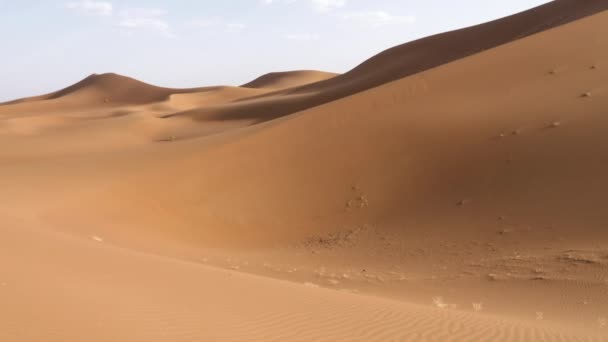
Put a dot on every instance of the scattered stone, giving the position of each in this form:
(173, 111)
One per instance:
(439, 303)
(358, 203)
(587, 94)
(577, 257)
(463, 202)
(555, 124)
(97, 238)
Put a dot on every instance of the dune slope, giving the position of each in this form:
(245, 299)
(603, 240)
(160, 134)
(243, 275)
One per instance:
(467, 199)
(111, 294)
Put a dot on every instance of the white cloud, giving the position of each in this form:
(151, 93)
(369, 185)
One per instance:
(268, 2)
(379, 18)
(319, 5)
(235, 27)
(302, 36)
(217, 23)
(90, 7)
(328, 5)
(151, 19)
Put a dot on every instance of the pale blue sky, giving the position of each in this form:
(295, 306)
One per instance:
(49, 44)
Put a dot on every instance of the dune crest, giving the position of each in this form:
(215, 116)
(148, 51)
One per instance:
(452, 188)
(289, 79)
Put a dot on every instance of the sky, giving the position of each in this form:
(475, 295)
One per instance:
(47, 45)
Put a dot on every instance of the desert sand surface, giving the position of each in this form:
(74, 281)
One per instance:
(448, 189)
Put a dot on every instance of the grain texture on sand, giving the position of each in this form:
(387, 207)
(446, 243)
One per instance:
(111, 294)
(476, 184)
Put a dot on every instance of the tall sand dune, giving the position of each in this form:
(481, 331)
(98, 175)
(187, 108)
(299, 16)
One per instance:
(417, 56)
(452, 188)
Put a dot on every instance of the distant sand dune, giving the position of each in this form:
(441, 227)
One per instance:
(289, 79)
(449, 189)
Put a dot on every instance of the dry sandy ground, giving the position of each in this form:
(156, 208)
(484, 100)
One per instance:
(449, 189)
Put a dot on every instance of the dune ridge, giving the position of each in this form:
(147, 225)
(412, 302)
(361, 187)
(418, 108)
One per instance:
(423, 54)
(454, 198)
(288, 79)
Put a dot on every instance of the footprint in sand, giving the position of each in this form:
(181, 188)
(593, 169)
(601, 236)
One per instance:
(333, 282)
(439, 302)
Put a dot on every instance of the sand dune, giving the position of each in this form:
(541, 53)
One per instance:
(289, 79)
(427, 53)
(109, 88)
(430, 52)
(459, 197)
